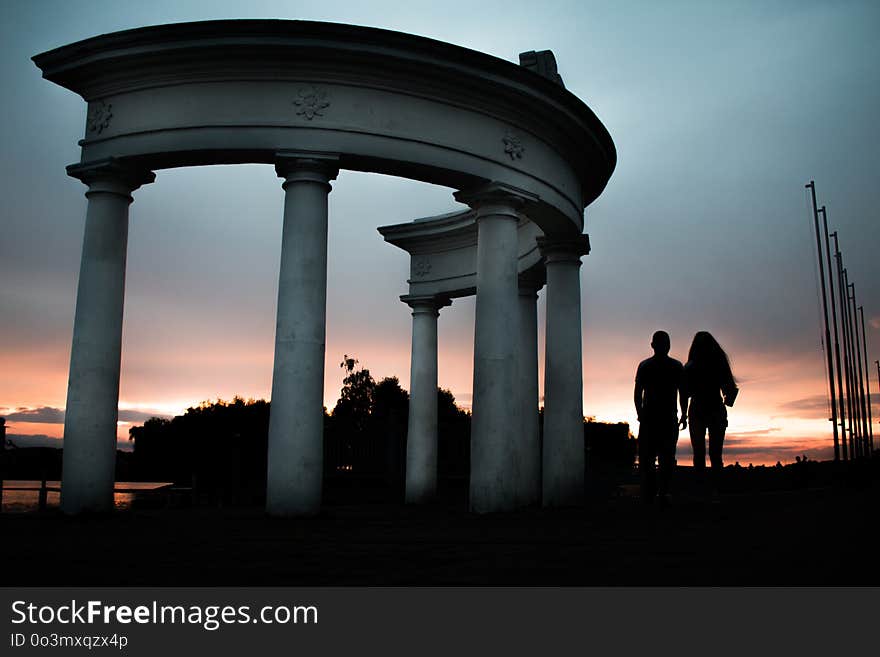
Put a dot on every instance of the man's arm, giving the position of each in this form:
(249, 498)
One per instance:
(638, 397)
(683, 401)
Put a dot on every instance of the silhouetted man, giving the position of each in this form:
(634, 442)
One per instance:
(658, 383)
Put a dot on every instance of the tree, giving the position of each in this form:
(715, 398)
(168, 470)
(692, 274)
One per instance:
(447, 409)
(388, 429)
(389, 399)
(219, 447)
(454, 434)
(355, 403)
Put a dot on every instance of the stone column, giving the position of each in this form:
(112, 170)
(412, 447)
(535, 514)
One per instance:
(563, 449)
(529, 447)
(296, 419)
(421, 434)
(496, 398)
(92, 410)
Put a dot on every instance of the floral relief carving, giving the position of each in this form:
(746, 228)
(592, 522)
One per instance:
(100, 114)
(311, 102)
(421, 268)
(513, 146)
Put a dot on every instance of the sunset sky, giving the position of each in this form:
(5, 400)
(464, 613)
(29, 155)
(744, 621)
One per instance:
(721, 113)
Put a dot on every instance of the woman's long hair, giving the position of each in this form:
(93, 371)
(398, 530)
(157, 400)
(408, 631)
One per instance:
(706, 353)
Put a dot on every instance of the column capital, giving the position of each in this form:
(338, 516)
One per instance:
(564, 249)
(111, 175)
(496, 198)
(304, 166)
(425, 303)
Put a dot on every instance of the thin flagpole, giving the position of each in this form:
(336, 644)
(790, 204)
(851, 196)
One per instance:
(812, 188)
(870, 433)
(860, 397)
(845, 331)
(864, 412)
(856, 436)
(836, 335)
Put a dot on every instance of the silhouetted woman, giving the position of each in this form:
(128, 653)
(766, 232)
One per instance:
(709, 385)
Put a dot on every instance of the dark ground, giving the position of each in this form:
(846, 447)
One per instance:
(791, 527)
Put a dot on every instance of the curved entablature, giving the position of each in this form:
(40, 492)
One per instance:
(383, 101)
(443, 253)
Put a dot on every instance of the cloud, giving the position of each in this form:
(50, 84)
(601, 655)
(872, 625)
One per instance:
(37, 440)
(811, 407)
(134, 416)
(50, 415)
(754, 447)
(817, 406)
(782, 453)
(24, 441)
(41, 415)
(755, 432)
(765, 446)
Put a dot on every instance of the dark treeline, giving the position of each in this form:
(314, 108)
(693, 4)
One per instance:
(36, 463)
(219, 448)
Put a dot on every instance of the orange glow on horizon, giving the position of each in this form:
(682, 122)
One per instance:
(779, 412)
(760, 431)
